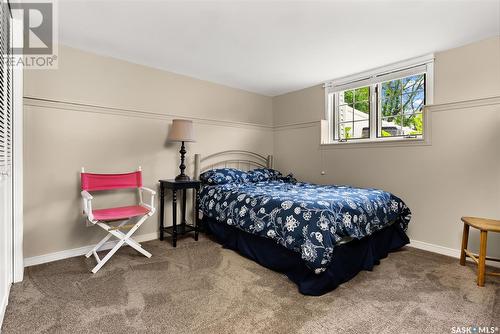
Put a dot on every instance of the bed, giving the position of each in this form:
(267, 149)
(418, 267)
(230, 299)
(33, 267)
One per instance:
(319, 236)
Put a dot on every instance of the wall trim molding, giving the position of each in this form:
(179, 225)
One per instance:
(82, 107)
(299, 125)
(96, 109)
(486, 101)
(451, 252)
(3, 306)
(80, 251)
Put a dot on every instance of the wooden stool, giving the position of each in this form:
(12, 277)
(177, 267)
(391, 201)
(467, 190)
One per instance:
(483, 225)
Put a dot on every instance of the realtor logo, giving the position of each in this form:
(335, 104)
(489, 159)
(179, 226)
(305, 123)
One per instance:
(474, 329)
(37, 27)
(35, 31)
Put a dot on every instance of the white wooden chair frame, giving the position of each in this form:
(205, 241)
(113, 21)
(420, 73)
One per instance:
(124, 238)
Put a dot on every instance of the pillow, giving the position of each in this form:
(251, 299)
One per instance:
(263, 174)
(288, 179)
(223, 175)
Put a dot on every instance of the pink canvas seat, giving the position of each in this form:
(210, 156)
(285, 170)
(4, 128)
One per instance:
(91, 182)
(122, 212)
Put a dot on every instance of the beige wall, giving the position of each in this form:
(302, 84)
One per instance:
(121, 123)
(87, 78)
(306, 105)
(458, 174)
(469, 72)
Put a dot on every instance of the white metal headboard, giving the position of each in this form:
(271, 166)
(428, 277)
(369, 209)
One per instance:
(244, 160)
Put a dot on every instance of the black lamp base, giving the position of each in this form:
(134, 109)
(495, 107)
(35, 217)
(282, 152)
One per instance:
(182, 167)
(181, 177)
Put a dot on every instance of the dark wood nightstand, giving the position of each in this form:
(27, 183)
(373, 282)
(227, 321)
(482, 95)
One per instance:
(183, 227)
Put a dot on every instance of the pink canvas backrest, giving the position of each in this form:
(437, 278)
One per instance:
(96, 182)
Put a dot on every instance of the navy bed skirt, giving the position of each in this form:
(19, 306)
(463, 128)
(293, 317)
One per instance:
(348, 259)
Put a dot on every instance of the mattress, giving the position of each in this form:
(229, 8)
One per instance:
(306, 219)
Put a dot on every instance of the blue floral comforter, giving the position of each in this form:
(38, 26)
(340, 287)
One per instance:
(306, 218)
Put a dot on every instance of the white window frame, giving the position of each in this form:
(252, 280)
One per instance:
(372, 78)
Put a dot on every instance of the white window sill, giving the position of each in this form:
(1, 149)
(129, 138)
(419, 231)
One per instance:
(379, 142)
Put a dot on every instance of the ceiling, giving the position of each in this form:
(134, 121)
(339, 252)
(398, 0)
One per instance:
(273, 47)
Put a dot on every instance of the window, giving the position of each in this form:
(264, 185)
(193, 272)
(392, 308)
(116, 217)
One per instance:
(386, 104)
(401, 104)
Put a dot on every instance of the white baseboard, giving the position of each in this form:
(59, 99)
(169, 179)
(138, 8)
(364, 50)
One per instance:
(435, 248)
(3, 306)
(452, 252)
(32, 261)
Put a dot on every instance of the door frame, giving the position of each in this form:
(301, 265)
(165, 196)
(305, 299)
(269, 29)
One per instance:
(17, 161)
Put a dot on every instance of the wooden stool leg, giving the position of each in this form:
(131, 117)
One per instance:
(465, 240)
(482, 258)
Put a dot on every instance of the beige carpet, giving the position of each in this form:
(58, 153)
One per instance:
(201, 288)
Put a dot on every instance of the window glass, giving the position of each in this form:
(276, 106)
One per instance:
(353, 114)
(401, 102)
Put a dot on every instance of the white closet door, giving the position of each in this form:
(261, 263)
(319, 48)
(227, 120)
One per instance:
(6, 261)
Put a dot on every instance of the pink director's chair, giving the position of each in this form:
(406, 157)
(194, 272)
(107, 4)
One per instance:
(102, 217)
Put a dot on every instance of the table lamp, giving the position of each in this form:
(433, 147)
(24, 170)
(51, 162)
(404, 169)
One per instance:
(181, 131)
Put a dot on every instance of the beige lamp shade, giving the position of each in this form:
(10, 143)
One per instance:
(181, 130)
